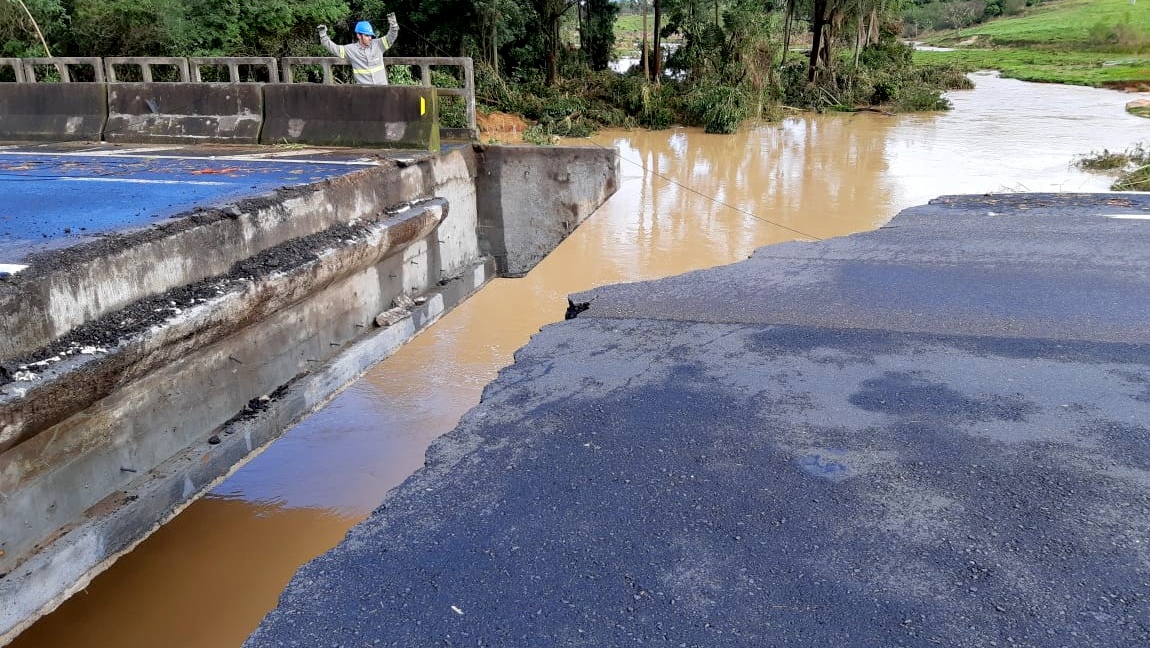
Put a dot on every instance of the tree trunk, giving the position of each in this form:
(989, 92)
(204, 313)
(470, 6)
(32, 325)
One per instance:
(553, 53)
(788, 22)
(818, 21)
(579, 9)
(643, 56)
(859, 29)
(657, 55)
(495, 48)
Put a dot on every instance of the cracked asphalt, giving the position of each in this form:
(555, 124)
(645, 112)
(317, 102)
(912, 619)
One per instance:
(931, 434)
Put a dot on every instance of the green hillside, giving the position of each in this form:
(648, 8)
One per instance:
(1082, 42)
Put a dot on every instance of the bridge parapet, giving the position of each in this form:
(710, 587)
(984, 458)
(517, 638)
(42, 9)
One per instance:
(281, 70)
(232, 64)
(63, 65)
(329, 63)
(145, 64)
(15, 65)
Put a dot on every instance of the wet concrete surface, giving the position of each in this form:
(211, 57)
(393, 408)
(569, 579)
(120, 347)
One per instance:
(701, 461)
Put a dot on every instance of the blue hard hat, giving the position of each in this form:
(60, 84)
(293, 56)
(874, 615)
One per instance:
(364, 27)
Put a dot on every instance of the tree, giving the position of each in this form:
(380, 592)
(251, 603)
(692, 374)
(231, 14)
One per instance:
(500, 22)
(129, 28)
(599, 32)
(551, 16)
(31, 27)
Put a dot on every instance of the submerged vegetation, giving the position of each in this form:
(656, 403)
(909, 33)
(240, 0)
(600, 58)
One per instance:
(1132, 166)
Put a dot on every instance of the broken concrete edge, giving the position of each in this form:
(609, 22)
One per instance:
(42, 303)
(126, 518)
(126, 344)
(523, 224)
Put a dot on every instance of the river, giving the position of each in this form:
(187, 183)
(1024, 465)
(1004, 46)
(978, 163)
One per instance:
(687, 200)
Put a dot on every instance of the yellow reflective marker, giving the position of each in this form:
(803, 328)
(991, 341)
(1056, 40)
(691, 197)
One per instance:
(422, 106)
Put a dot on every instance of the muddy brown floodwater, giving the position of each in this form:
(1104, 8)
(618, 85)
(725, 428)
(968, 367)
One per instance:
(687, 200)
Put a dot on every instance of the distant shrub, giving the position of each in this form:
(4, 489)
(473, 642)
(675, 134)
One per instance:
(918, 98)
(1106, 160)
(1122, 37)
(717, 108)
(1013, 7)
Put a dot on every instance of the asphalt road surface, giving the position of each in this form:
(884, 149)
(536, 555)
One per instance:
(934, 434)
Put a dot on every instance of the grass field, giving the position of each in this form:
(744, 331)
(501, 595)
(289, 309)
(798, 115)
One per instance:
(1070, 24)
(1082, 42)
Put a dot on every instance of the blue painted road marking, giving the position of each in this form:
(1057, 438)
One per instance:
(50, 201)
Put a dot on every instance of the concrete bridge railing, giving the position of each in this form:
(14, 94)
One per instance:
(189, 70)
(329, 63)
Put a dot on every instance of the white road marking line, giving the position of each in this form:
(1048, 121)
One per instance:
(1129, 216)
(212, 158)
(204, 183)
(277, 154)
(114, 152)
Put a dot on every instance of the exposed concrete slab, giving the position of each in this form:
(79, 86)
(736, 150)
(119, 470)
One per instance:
(65, 288)
(194, 453)
(726, 464)
(184, 112)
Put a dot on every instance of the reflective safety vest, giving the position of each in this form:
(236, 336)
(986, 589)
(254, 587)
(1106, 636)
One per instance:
(366, 62)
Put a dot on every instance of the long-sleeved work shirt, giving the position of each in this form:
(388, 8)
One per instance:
(366, 62)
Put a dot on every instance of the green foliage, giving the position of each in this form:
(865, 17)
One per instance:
(725, 69)
(1136, 180)
(718, 108)
(1107, 160)
(885, 75)
(452, 112)
(1064, 26)
(538, 135)
(17, 34)
(129, 28)
(1070, 41)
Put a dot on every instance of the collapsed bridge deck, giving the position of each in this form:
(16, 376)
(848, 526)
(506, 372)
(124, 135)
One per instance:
(133, 349)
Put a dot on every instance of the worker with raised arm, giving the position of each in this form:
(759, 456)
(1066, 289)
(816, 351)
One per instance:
(366, 53)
